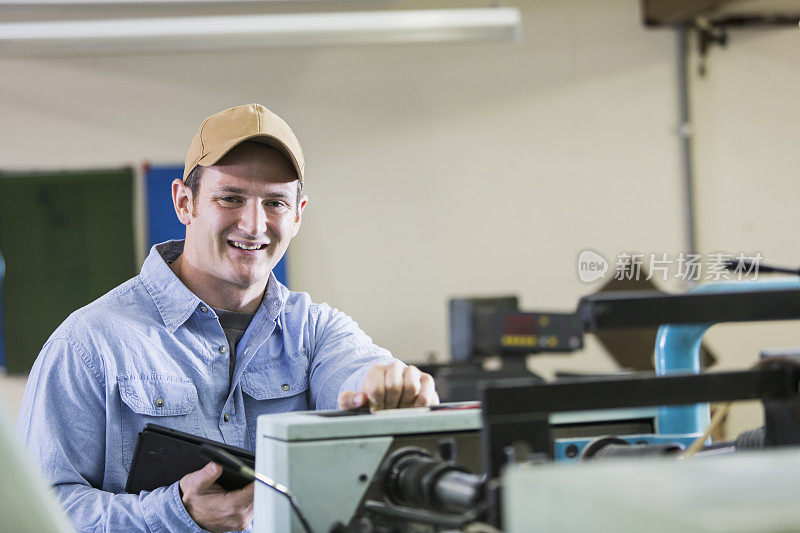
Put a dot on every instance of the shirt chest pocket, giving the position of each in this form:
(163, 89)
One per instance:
(274, 381)
(273, 388)
(169, 401)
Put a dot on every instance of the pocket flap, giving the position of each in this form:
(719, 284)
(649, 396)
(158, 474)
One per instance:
(277, 380)
(158, 395)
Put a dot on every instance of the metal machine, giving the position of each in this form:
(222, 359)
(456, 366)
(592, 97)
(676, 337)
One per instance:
(482, 328)
(754, 491)
(449, 467)
(352, 469)
(331, 461)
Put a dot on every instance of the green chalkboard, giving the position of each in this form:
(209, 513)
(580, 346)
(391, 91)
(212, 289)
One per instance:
(67, 238)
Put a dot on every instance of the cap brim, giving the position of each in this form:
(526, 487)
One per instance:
(218, 153)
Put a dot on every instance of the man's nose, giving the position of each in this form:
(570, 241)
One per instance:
(253, 220)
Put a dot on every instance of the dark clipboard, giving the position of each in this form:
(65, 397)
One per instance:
(163, 456)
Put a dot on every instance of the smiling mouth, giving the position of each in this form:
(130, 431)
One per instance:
(247, 247)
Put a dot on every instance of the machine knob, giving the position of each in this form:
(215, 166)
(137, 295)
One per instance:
(448, 450)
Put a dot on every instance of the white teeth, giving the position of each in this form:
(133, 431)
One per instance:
(244, 246)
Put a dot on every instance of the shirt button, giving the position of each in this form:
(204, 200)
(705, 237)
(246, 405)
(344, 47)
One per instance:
(203, 309)
(285, 386)
(159, 402)
(227, 417)
(223, 349)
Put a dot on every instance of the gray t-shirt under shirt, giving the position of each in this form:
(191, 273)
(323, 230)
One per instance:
(234, 326)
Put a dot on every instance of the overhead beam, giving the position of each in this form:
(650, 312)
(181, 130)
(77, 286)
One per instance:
(677, 12)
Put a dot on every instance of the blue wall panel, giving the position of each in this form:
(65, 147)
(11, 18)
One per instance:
(163, 224)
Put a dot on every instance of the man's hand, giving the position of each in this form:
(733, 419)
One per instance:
(212, 507)
(392, 386)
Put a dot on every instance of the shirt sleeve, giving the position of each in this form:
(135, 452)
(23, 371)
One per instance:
(62, 421)
(341, 356)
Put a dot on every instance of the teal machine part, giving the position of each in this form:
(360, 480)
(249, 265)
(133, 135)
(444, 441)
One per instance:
(678, 351)
(539, 414)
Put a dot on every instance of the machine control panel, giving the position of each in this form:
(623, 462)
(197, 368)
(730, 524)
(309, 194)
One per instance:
(531, 332)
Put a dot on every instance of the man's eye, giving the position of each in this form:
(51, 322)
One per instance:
(275, 204)
(230, 199)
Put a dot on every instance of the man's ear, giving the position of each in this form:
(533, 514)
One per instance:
(182, 200)
(299, 214)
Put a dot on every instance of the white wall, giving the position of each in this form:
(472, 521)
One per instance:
(11, 390)
(457, 169)
(747, 125)
(433, 170)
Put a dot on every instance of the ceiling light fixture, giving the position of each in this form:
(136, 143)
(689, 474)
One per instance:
(252, 31)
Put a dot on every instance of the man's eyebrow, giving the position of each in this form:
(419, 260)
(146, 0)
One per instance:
(230, 189)
(281, 195)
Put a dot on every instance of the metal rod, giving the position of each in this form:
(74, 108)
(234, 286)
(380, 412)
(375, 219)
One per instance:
(633, 309)
(518, 400)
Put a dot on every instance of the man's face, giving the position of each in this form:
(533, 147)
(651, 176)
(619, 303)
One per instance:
(245, 213)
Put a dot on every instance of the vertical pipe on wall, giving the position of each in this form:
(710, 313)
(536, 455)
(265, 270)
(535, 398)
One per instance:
(140, 226)
(685, 133)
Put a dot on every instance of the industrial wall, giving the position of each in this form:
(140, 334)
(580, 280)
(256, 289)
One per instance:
(747, 125)
(461, 169)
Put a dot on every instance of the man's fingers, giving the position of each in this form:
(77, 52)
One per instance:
(238, 508)
(211, 507)
(393, 385)
(374, 387)
(435, 400)
(210, 474)
(427, 394)
(411, 385)
(201, 480)
(345, 399)
(352, 400)
(243, 497)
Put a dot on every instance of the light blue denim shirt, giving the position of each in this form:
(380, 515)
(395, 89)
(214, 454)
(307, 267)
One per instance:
(152, 351)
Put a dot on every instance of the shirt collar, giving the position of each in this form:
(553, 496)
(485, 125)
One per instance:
(176, 303)
(273, 301)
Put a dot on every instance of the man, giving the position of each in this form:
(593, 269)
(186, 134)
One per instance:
(204, 340)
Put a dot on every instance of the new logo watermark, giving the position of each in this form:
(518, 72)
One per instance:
(715, 266)
(591, 266)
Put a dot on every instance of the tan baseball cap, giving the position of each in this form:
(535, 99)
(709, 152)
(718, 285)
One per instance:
(221, 132)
